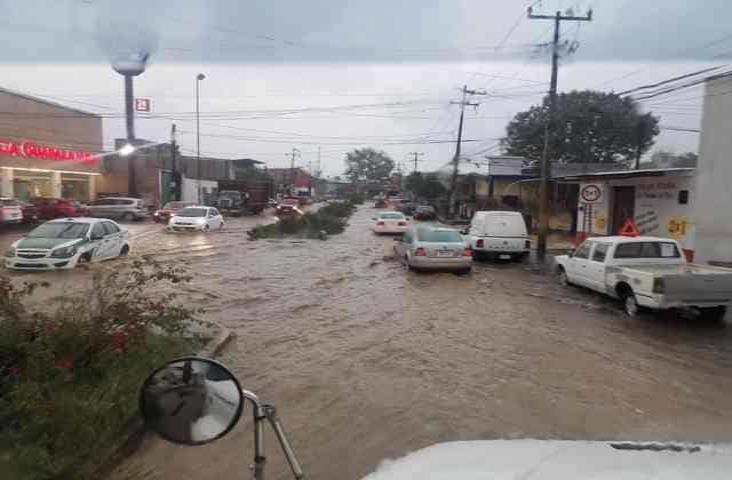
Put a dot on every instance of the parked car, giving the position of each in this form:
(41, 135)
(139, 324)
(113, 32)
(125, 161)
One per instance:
(30, 212)
(428, 247)
(49, 208)
(10, 211)
(124, 208)
(499, 234)
(647, 272)
(197, 218)
(63, 243)
(390, 222)
(171, 208)
(407, 208)
(380, 203)
(425, 212)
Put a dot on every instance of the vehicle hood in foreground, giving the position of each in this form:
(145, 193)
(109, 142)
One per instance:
(560, 460)
(47, 243)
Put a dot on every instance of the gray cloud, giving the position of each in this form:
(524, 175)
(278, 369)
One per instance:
(357, 30)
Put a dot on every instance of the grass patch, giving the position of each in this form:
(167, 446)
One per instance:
(330, 219)
(69, 379)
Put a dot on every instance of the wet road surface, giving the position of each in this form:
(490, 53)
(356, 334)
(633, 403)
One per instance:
(366, 362)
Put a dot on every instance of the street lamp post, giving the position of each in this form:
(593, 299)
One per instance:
(199, 78)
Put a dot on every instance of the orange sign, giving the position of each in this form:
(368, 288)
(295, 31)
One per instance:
(629, 229)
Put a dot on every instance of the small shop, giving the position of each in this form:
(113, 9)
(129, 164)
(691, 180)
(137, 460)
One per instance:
(658, 202)
(31, 170)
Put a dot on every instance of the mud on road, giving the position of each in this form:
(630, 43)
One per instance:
(367, 362)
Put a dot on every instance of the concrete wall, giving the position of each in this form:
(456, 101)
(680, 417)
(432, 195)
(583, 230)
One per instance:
(713, 212)
(189, 192)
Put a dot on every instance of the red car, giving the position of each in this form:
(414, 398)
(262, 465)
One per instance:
(170, 209)
(50, 207)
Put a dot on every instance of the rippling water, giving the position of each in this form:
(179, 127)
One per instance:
(367, 362)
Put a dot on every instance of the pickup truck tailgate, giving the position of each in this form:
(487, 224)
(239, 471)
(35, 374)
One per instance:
(691, 283)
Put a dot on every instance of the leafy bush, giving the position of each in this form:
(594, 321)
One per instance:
(356, 199)
(330, 219)
(69, 378)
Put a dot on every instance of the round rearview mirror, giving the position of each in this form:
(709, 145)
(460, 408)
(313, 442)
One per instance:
(191, 401)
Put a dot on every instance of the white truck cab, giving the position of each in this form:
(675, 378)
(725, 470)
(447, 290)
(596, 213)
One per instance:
(500, 234)
(646, 272)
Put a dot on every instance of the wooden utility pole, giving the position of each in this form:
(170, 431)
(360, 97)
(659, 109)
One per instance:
(174, 185)
(416, 160)
(295, 152)
(456, 159)
(546, 174)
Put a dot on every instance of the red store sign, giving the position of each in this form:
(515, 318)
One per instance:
(41, 152)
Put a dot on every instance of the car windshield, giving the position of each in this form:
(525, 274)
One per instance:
(192, 212)
(175, 205)
(391, 216)
(432, 236)
(60, 230)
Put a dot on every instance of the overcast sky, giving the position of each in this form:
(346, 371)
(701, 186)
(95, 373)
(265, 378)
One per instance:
(342, 74)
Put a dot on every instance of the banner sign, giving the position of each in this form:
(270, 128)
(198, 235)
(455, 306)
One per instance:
(41, 152)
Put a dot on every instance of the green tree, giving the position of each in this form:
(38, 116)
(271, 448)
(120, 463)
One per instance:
(592, 127)
(426, 186)
(368, 165)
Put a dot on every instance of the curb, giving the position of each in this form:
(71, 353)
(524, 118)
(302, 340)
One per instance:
(134, 433)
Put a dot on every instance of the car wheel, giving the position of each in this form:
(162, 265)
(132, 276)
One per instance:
(563, 279)
(206, 228)
(407, 266)
(85, 258)
(630, 305)
(128, 216)
(125, 251)
(221, 226)
(713, 314)
(478, 255)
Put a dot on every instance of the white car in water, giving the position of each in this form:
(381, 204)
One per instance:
(196, 219)
(390, 222)
(64, 243)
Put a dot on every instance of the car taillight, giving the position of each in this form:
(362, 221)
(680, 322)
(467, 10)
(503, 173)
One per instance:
(467, 252)
(420, 252)
(380, 224)
(479, 243)
(402, 224)
(659, 286)
(527, 244)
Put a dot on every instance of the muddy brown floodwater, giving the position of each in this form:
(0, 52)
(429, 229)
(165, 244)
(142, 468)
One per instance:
(367, 362)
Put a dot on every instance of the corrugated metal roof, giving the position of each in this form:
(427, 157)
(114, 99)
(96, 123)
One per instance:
(660, 172)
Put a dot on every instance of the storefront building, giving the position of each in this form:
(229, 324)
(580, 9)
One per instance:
(47, 149)
(660, 203)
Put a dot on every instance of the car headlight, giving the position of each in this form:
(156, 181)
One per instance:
(65, 252)
(10, 252)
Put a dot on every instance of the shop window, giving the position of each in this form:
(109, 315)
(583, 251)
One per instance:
(683, 197)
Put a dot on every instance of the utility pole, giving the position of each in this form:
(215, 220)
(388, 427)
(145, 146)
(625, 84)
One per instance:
(456, 160)
(295, 152)
(416, 160)
(319, 168)
(546, 174)
(174, 180)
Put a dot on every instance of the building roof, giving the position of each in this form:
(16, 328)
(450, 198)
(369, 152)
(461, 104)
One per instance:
(660, 172)
(46, 102)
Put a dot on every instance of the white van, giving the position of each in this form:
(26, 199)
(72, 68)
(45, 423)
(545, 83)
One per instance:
(499, 234)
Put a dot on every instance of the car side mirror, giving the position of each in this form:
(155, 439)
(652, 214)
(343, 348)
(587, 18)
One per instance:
(465, 231)
(97, 237)
(191, 401)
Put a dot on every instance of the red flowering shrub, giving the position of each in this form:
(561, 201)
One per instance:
(69, 378)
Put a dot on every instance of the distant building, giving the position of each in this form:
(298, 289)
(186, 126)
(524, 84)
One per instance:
(295, 181)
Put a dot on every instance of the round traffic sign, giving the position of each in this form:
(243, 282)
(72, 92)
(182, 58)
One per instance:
(591, 193)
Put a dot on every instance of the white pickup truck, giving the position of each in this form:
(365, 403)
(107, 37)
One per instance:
(647, 272)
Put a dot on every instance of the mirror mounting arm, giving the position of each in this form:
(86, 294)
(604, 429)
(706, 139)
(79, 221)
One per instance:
(274, 420)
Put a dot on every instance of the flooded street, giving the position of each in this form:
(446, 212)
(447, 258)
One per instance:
(367, 362)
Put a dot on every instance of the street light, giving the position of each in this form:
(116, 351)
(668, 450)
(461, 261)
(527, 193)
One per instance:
(126, 150)
(199, 78)
(130, 66)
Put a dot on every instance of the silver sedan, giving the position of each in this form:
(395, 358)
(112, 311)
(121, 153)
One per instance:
(427, 247)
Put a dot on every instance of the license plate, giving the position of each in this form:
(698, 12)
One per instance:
(504, 257)
(444, 253)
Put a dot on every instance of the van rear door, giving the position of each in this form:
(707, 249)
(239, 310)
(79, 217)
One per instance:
(504, 232)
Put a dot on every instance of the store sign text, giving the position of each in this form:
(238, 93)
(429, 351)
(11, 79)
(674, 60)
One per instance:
(41, 152)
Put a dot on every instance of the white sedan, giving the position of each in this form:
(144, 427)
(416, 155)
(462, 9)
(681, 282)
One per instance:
(201, 219)
(63, 243)
(390, 222)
